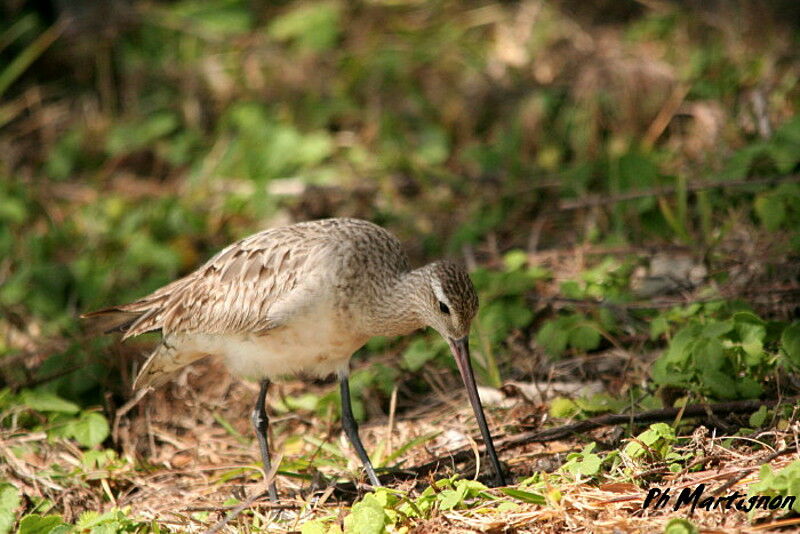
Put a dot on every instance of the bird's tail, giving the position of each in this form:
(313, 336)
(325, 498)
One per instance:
(110, 320)
(170, 356)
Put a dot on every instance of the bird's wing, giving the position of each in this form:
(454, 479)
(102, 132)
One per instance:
(235, 291)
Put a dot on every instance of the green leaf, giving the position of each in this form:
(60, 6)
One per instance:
(680, 526)
(451, 498)
(563, 407)
(313, 527)
(637, 171)
(721, 385)
(434, 146)
(679, 349)
(748, 388)
(515, 259)
(37, 524)
(584, 337)
(524, 496)
(571, 289)
(313, 26)
(418, 354)
(553, 337)
(366, 517)
(771, 210)
(128, 137)
(587, 465)
(757, 419)
(90, 430)
(44, 401)
(717, 328)
(709, 354)
(783, 482)
(790, 342)
(752, 331)
(217, 19)
(600, 402)
(9, 502)
(655, 437)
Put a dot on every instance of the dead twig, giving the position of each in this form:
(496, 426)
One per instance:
(747, 470)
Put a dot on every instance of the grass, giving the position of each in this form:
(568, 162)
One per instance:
(625, 192)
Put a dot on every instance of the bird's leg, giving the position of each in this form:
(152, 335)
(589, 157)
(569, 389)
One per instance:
(261, 426)
(351, 429)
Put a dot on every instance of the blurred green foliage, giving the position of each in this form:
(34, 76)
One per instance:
(176, 146)
(135, 148)
(726, 359)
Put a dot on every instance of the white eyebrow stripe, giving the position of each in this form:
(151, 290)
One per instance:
(439, 292)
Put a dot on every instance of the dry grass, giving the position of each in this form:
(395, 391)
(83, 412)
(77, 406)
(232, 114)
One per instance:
(195, 466)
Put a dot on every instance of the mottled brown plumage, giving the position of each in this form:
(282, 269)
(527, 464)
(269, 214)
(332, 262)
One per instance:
(296, 299)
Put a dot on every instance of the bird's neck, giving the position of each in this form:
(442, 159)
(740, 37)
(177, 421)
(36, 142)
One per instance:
(397, 310)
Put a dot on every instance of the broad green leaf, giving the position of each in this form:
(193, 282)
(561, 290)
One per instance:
(515, 259)
(553, 338)
(219, 19)
(752, 338)
(9, 502)
(451, 498)
(680, 347)
(721, 385)
(90, 430)
(571, 289)
(366, 517)
(563, 407)
(748, 388)
(313, 527)
(584, 337)
(417, 354)
(790, 342)
(637, 171)
(587, 465)
(656, 435)
(709, 354)
(434, 146)
(305, 402)
(757, 419)
(656, 432)
(747, 317)
(524, 496)
(37, 524)
(44, 401)
(717, 328)
(313, 26)
(771, 210)
(601, 402)
(128, 137)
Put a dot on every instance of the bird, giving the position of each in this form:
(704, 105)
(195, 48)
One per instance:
(301, 299)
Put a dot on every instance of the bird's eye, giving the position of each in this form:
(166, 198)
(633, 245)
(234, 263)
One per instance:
(444, 309)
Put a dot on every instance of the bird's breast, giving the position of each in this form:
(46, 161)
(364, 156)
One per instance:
(317, 342)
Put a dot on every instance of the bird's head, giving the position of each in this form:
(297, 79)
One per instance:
(450, 302)
(449, 305)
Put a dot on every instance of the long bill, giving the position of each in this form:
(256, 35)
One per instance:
(460, 348)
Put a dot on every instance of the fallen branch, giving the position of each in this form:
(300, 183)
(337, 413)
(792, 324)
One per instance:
(591, 201)
(650, 416)
(660, 302)
(745, 471)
